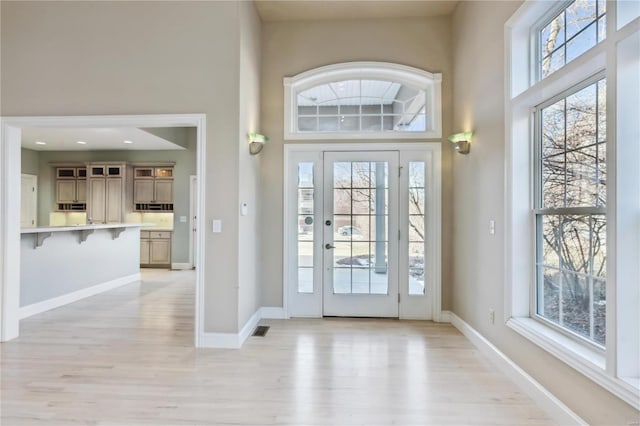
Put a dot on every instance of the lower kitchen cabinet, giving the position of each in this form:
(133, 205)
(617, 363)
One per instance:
(155, 248)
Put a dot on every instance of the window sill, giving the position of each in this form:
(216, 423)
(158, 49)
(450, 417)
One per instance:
(589, 362)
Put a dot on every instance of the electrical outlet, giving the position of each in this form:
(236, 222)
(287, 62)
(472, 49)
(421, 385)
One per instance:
(492, 316)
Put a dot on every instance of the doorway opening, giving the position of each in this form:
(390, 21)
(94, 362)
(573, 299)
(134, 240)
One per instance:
(10, 220)
(362, 230)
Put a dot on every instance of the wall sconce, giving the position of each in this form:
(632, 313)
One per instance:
(461, 142)
(256, 142)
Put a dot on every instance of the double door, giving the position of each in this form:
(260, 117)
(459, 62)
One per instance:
(106, 200)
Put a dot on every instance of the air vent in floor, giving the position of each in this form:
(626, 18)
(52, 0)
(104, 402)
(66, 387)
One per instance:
(261, 330)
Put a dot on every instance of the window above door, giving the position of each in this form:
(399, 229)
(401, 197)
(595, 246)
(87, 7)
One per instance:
(355, 100)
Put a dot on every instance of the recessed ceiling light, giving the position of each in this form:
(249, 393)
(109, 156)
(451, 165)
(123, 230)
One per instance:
(128, 142)
(40, 143)
(81, 143)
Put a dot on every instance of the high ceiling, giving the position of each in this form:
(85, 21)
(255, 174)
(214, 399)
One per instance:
(359, 9)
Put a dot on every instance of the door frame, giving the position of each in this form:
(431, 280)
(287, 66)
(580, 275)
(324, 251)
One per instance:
(193, 222)
(433, 257)
(10, 171)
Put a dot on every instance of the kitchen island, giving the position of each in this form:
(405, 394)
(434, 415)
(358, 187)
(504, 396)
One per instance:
(63, 264)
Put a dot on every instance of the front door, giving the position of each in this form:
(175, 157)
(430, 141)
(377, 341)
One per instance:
(359, 227)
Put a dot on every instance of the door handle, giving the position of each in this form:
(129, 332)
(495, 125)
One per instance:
(329, 246)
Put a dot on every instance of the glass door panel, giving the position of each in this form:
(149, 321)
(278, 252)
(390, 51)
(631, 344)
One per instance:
(360, 277)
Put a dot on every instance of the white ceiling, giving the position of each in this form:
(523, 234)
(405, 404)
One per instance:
(315, 10)
(105, 139)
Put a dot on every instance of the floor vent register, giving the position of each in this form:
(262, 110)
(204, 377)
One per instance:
(261, 330)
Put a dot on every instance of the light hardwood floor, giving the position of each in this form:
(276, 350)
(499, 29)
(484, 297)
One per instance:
(126, 358)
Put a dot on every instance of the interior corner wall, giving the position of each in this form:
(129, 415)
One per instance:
(249, 231)
(289, 48)
(478, 179)
(114, 58)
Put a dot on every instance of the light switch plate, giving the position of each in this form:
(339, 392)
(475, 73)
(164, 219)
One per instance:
(183, 219)
(217, 226)
(492, 227)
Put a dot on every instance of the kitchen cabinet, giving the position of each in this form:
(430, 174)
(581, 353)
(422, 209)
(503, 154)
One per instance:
(71, 188)
(153, 188)
(153, 191)
(155, 248)
(107, 194)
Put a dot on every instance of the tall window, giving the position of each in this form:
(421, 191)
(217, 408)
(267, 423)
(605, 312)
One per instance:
(416, 227)
(305, 227)
(570, 212)
(573, 186)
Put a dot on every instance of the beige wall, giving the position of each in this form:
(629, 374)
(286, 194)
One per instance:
(30, 163)
(249, 165)
(289, 48)
(478, 266)
(83, 58)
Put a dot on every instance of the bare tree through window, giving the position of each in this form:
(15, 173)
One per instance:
(571, 217)
(577, 28)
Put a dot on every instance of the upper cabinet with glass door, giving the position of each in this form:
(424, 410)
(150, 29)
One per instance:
(363, 100)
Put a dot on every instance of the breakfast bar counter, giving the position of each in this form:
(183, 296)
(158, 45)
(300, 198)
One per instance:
(62, 264)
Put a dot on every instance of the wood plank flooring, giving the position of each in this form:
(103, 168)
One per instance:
(126, 358)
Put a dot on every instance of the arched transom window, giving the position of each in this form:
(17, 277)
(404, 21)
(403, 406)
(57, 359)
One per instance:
(363, 100)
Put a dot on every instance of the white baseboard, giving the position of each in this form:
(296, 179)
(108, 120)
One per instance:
(272, 312)
(65, 299)
(231, 340)
(219, 341)
(558, 411)
(445, 316)
(180, 266)
(249, 326)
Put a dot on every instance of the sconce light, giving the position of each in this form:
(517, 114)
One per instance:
(461, 142)
(256, 142)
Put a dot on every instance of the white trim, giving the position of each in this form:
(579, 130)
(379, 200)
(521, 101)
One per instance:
(10, 145)
(435, 221)
(445, 317)
(429, 82)
(193, 196)
(577, 356)
(218, 341)
(273, 312)
(555, 408)
(65, 299)
(181, 266)
(200, 226)
(231, 340)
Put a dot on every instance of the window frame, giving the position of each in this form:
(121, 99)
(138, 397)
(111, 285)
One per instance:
(540, 211)
(429, 82)
(546, 19)
(615, 368)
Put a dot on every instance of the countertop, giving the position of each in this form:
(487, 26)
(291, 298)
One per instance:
(82, 227)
